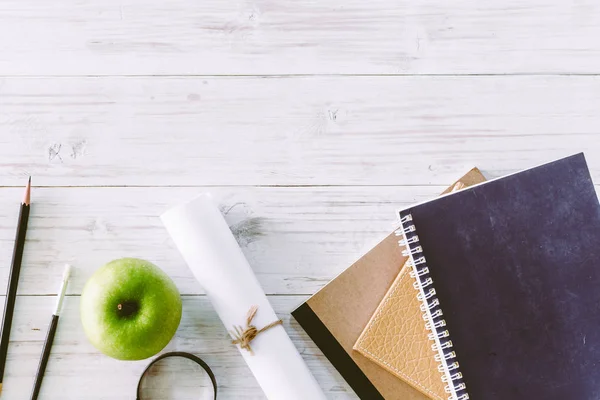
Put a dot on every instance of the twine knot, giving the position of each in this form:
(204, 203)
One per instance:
(243, 337)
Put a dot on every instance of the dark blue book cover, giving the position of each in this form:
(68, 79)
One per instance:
(509, 272)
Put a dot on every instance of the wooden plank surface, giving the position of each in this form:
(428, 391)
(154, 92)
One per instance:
(296, 239)
(150, 37)
(153, 131)
(310, 121)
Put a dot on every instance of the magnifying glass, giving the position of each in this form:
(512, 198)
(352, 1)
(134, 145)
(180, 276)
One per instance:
(177, 376)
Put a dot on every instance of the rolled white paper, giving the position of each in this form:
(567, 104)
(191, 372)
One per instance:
(209, 248)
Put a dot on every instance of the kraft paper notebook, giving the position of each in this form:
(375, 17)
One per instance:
(337, 314)
(508, 273)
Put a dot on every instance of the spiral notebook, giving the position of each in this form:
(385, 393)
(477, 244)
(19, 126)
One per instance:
(508, 273)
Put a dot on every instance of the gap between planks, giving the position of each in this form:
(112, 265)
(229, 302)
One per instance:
(342, 75)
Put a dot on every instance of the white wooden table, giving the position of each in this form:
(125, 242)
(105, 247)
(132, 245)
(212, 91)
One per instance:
(311, 121)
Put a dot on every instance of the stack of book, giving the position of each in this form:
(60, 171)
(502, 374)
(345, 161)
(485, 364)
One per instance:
(488, 292)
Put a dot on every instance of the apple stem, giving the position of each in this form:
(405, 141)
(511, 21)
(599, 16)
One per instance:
(127, 309)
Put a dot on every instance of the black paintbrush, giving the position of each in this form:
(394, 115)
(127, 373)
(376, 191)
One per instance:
(50, 335)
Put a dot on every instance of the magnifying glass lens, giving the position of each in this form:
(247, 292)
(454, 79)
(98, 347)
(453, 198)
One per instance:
(176, 378)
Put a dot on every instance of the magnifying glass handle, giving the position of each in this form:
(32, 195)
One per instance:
(189, 356)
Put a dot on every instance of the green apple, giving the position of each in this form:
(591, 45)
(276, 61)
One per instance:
(130, 309)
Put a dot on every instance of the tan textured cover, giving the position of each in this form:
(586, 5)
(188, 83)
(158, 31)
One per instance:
(345, 305)
(396, 339)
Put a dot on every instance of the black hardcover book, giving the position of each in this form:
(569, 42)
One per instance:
(509, 273)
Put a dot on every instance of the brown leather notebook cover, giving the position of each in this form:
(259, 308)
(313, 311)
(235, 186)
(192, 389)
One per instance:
(396, 339)
(336, 315)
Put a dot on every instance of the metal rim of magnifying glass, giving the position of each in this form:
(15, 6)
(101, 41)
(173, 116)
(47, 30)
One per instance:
(189, 356)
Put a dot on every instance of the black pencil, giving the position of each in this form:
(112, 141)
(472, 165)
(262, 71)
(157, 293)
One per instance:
(50, 335)
(13, 280)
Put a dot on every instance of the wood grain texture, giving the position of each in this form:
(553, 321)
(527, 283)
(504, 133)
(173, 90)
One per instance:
(77, 371)
(310, 121)
(73, 37)
(290, 131)
(296, 239)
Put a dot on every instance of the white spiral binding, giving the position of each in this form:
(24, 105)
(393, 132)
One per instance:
(432, 314)
(402, 242)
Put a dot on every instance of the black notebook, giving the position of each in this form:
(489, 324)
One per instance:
(509, 275)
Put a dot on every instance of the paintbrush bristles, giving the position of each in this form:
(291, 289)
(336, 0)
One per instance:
(27, 197)
(67, 273)
(63, 289)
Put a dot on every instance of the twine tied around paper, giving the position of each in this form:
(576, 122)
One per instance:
(243, 337)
